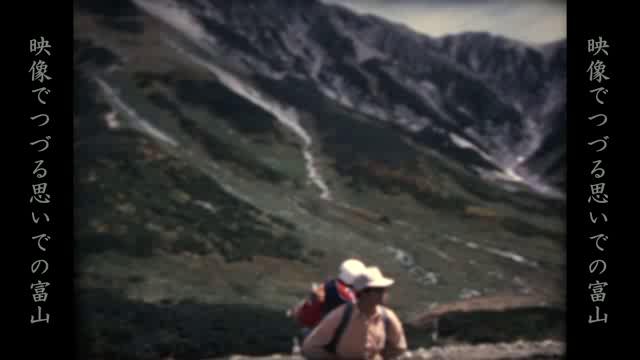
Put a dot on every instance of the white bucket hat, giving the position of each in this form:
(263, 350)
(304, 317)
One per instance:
(350, 270)
(372, 278)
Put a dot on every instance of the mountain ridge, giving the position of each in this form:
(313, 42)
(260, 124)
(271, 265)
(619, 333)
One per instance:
(492, 138)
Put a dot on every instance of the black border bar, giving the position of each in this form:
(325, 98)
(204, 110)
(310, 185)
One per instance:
(42, 212)
(594, 193)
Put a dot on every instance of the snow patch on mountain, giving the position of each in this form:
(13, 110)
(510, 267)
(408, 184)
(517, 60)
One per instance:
(363, 51)
(136, 121)
(288, 117)
(178, 17)
(491, 250)
(512, 256)
(465, 144)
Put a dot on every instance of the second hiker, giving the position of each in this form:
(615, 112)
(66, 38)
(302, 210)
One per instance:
(328, 296)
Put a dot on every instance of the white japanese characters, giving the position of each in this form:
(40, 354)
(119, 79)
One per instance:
(598, 198)
(41, 198)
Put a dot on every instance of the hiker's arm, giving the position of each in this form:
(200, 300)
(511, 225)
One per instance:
(313, 345)
(396, 341)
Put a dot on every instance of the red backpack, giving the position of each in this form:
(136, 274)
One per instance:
(309, 313)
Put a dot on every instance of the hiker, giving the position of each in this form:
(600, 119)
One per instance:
(325, 298)
(364, 330)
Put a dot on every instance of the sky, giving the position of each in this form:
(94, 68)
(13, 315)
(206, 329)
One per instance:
(531, 21)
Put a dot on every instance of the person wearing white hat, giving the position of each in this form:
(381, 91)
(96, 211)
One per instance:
(350, 269)
(364, 330)
(331, 294)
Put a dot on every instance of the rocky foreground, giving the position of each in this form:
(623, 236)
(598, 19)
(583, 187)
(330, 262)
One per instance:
(542, 350)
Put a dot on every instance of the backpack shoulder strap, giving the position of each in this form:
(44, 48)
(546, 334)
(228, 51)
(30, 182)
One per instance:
(385, 317)
(386, 320)
(326, 301)
(344, 321)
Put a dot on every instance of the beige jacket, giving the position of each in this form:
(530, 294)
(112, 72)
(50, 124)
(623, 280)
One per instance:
(363, 338)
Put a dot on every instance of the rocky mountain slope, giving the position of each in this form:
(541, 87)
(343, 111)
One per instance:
(230, 153)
